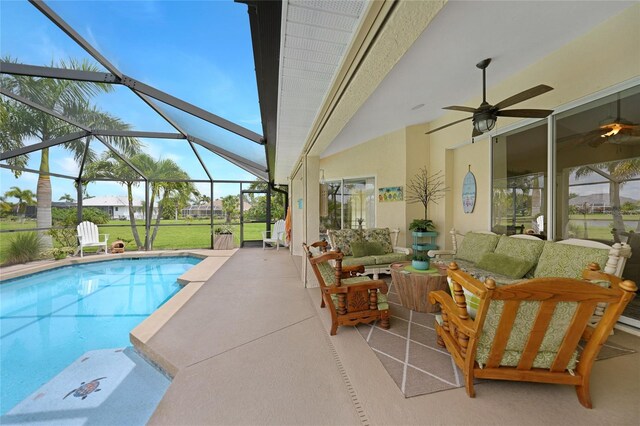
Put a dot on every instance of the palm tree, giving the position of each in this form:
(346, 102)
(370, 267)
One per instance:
(230, 206)
(167, 169)
(617, 173)
(25, 198)
(69, 98)
(110, 166)
(67, 197)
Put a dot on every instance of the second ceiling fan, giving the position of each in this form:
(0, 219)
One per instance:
(484, 117)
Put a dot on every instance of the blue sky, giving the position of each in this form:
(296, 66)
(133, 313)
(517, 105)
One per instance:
(199, 51)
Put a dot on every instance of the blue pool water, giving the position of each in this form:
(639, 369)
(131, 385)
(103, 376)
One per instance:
(49, 319)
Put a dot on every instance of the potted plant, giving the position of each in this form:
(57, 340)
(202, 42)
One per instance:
(420, 261)
(424, 188)
(223, 238)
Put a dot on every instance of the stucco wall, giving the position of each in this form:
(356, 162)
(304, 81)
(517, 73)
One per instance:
(574, 71)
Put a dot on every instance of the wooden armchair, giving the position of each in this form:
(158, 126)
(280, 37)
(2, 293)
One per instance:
(529, 331)
(351, 299)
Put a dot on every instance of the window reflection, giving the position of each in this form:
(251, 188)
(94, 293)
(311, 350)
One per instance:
(519, 181)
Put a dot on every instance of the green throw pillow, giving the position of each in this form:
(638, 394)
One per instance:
(361, 249)
(476, 244)
(505, 265)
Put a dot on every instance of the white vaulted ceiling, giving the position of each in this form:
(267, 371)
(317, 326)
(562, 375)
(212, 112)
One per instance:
(315, 36)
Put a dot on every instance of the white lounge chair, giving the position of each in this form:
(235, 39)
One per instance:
(275, 236)
(88, 236)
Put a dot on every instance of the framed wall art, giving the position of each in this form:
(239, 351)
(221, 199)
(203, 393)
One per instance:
(391, 193)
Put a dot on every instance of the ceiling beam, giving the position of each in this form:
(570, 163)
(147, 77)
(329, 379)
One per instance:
(138, 134)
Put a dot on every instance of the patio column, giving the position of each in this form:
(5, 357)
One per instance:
(311, 205)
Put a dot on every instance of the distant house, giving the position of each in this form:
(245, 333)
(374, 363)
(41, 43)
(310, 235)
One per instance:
(596, 203)
(117, 207)
(204, 210)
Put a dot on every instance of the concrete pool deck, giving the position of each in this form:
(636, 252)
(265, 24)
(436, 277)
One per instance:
(252, 347)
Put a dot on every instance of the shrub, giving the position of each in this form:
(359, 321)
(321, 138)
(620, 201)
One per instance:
(68, 217)
(25, 247)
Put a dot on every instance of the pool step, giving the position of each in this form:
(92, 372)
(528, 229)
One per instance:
(110, 386)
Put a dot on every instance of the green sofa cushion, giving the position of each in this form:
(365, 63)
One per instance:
(512, 267)
(381, 236)
(475, 245)
(520, 248)
(388, 258)
(366, 248)
(565, 260)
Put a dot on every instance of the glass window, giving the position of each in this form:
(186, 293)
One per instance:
(519, 181)
(347, 204)
(598, 168)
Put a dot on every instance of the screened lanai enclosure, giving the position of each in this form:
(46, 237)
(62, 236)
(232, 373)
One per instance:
(99, 121)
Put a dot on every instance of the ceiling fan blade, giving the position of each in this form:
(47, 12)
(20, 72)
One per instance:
(461, 108)
(529, 113)
(523, 96)
(475, 133)
(447, 125)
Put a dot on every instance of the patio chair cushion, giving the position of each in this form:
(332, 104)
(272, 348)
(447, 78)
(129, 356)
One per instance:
(564, 260)
(366, 248)
(328, 273)
(505, 265)
(521, 330)
(475, 245)
(381, 236)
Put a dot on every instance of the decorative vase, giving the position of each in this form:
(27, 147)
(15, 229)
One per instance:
(421, 265)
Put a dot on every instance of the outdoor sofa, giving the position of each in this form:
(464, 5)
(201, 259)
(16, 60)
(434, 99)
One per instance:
(376, 248)
(516, 258)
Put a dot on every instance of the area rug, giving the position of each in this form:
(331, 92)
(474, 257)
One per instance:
(409, 353)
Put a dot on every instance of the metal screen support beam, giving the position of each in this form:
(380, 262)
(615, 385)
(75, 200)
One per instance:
(79, 202)
(42, 145)
(24, 169)
(211, 215)
(58, 73)
(49, 13)
(138, 134)
(39, 107)
(193, 148)
(256, 171)
(147, 216)
(203, 114)
(84, 159)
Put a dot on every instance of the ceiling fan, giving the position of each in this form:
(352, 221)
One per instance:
(484, 117)
(612, 130)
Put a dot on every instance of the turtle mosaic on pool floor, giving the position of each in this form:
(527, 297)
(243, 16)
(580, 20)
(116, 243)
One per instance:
(86, 388)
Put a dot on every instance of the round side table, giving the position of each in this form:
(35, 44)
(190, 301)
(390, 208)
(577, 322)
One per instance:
(413, 286)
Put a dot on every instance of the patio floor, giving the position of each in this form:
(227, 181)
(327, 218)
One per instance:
(252, 347)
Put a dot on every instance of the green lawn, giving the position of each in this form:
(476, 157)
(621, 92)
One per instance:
(196, 235)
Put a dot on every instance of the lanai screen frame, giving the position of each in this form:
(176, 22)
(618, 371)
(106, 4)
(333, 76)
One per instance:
(149, 95)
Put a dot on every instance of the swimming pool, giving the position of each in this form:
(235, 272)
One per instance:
(49, 319)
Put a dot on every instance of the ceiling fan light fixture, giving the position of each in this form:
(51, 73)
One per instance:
(484, 123)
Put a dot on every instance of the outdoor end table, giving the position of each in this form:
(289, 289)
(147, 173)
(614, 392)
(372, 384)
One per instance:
(413, 286)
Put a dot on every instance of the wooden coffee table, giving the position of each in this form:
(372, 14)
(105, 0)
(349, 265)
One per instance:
(413, 286)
